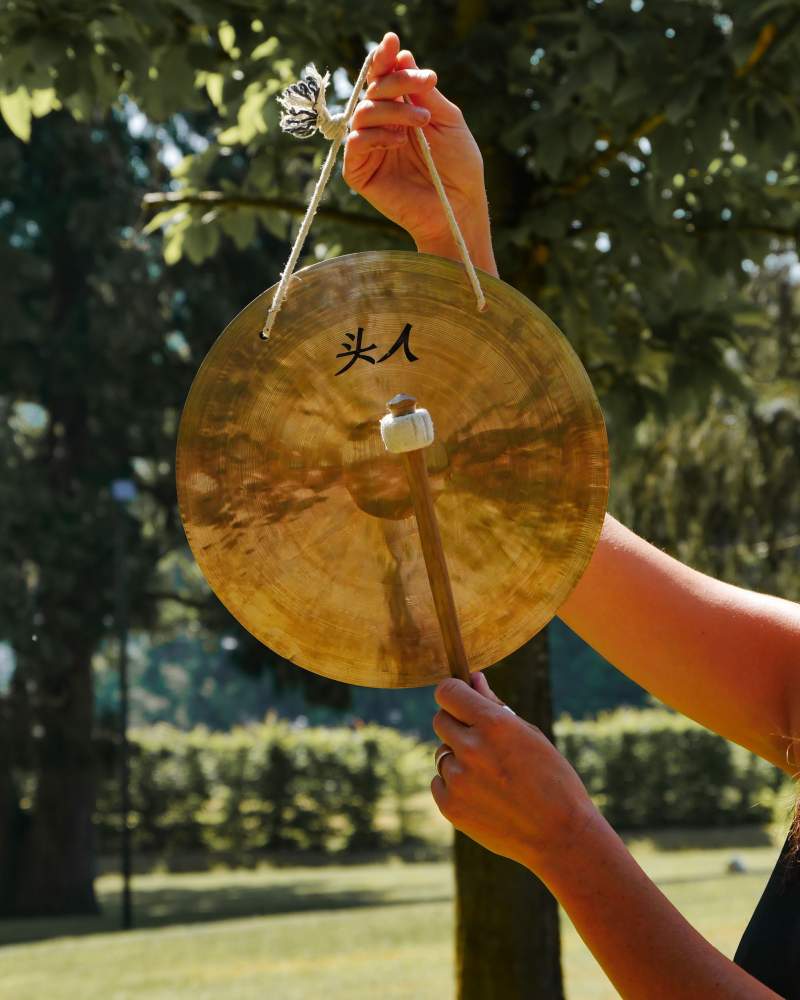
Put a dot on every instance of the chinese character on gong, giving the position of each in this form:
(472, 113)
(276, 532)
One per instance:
(355, 350)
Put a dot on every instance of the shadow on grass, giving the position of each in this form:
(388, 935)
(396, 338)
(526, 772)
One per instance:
(707, 838)
(220, 898)
(162, 907)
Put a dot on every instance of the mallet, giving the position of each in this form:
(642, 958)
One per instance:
(407, 431)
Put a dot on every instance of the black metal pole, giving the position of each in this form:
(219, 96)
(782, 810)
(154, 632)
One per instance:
(121, 576)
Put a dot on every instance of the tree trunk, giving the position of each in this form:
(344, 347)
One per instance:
(11, 816)
(56, 856)
(507, 930)
(56, 864)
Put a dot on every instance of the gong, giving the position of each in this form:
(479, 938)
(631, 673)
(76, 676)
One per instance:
(302, 522)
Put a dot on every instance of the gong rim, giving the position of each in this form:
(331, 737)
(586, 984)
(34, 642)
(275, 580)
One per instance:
(275, 623)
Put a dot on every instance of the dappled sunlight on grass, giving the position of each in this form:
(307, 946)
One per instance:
(344, 931)
(162, 899)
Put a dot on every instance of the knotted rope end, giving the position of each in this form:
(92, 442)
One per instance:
(304, 109)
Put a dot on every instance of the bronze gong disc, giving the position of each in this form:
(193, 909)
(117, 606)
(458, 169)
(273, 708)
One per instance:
(302, 522)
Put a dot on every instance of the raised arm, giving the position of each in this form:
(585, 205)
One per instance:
(725, 656)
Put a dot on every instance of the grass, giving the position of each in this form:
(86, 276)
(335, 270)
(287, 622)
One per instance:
(356, 931)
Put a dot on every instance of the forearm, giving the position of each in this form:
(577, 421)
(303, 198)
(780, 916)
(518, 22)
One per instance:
(715, 652)
(645, 946)
(720, 654)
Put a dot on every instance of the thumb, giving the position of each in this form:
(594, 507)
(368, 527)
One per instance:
(481, 685)
(441, 109)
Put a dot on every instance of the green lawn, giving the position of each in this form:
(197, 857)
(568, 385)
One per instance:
(359, 931)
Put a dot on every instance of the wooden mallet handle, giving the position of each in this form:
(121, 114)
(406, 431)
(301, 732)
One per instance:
(409, 439)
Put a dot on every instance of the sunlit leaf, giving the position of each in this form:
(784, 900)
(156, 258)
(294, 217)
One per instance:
(240, 225)
(265, 49)
(227, 37)
(161, 219)
(214, 84)
(16, 110)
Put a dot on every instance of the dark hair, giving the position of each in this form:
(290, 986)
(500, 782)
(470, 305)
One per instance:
(794, 834)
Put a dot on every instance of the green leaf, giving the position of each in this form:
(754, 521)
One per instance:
(572, 85)
(47, 50)
(120, 26)
(603, 69)
(669, 147)
(227, 37)
(711, 117)
(161, 219)
(200, 241)
(265, 48)
(240, 225)
(214, 85)
(551, 152)
(16, 110)
(176, 78)
(682, 103)
(229, 137)
(581, 134)
(173, 246)
(43, 102)
(250, 118)
(633, 89)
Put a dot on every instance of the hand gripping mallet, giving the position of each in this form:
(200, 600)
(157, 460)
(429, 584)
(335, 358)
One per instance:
(407, 431)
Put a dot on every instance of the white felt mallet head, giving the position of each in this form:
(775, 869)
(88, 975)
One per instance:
(406, 428)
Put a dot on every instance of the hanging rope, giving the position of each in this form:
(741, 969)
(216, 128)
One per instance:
(305, 112)
(455, 229)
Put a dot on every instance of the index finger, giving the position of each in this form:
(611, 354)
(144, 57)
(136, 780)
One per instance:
(385, 56)
(400, 82)
(464, 702)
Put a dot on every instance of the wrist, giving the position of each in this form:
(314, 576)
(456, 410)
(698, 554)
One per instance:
(478, 238)
(581, 843)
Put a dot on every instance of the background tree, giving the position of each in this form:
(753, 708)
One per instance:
(720, 491)
(98, 376)
(636, 154)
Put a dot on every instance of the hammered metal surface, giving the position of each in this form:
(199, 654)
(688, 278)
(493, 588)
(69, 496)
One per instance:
(300, 519)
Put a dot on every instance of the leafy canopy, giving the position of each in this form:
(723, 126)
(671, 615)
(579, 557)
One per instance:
(636, 152)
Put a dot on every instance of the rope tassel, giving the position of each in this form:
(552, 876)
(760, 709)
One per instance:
(304, 113)
(304, 108)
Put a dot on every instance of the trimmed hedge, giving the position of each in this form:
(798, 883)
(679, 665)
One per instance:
(267, 788)
(273, 787)
(653, 768)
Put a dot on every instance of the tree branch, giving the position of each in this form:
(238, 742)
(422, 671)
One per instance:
(766, 37)
(759, 228)
(765, 41)
(212, 199)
